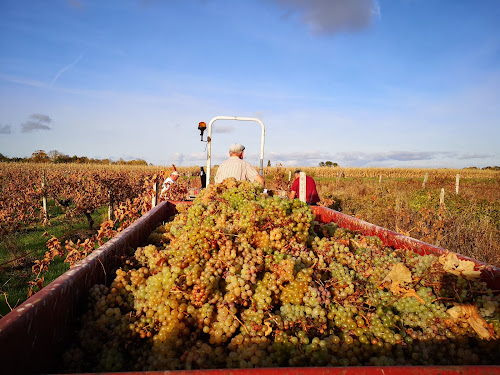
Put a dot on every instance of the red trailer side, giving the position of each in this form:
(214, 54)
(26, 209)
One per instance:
(490, 274)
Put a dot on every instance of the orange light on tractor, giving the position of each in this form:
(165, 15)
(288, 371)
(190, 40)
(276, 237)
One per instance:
(201, 127)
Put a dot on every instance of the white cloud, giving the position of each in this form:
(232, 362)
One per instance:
(37, 122)
(222, 129)
(5, 129)
(22, 81)
(75, 4)
(332, 16)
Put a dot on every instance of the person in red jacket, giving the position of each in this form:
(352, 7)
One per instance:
(312, 196)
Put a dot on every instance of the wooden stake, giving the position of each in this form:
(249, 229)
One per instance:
(441, 197)
(302, 187)
(44, 200)
(457, 183)
(156, 188)
(111, 212)
(425, 180)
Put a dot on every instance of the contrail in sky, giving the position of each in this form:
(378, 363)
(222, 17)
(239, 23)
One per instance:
(64, 69)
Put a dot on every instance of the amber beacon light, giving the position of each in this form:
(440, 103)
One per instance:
(201, 127)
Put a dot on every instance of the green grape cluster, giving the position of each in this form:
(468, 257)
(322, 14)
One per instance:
(242, 279)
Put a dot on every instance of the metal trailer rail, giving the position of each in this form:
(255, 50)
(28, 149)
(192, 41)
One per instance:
(35, 334)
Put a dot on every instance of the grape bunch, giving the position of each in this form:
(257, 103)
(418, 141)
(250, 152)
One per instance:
(241, 279)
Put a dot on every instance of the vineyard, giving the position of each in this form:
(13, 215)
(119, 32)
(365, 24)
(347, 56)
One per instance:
(52, 216)
(47, 201)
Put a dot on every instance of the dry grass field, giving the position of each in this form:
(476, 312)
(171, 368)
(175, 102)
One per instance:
(467, 223)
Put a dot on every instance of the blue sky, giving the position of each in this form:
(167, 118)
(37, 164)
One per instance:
(388, 83)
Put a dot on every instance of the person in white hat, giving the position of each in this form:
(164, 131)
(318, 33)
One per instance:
(169, 180)
(236, 167)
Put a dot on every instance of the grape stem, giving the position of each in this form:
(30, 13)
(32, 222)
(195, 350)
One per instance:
(315, 261)
(319, 282)
(235, 317)
(458, 295)
(441, 299)
(7, 301)
(271, 317)
(365, 318)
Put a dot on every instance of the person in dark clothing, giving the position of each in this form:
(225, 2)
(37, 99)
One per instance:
(203, 177)
(312, 197)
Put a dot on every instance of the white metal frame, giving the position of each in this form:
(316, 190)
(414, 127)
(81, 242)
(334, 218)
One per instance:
(209, 140)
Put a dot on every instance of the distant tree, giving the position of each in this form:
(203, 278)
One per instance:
(269, 163)
(39, 156)
(82, 160)
(63, 159)
(58, 157)
(137, 162)
(328, 164)
(53, 154)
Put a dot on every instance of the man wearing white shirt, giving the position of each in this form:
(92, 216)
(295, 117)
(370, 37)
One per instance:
(236, 167)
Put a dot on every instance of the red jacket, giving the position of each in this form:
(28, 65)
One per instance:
(311, 192)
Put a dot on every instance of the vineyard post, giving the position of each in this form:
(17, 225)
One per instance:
(379, 179)
(457, 183)
(302, 187)
(289, 175)
(441, 197)
(425, 180)
(156, 187)
(44, 200)
(111, 212)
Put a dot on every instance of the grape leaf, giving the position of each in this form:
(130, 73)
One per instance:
(465, 268)
(470, 314)
(269, 329)
(398, 276)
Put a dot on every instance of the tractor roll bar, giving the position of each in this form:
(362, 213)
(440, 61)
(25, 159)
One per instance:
(209, 140)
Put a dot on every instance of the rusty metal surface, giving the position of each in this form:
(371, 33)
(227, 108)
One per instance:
(33, 336)
(490, 274)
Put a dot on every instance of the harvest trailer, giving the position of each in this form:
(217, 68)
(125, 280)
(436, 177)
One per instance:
(34, 335)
